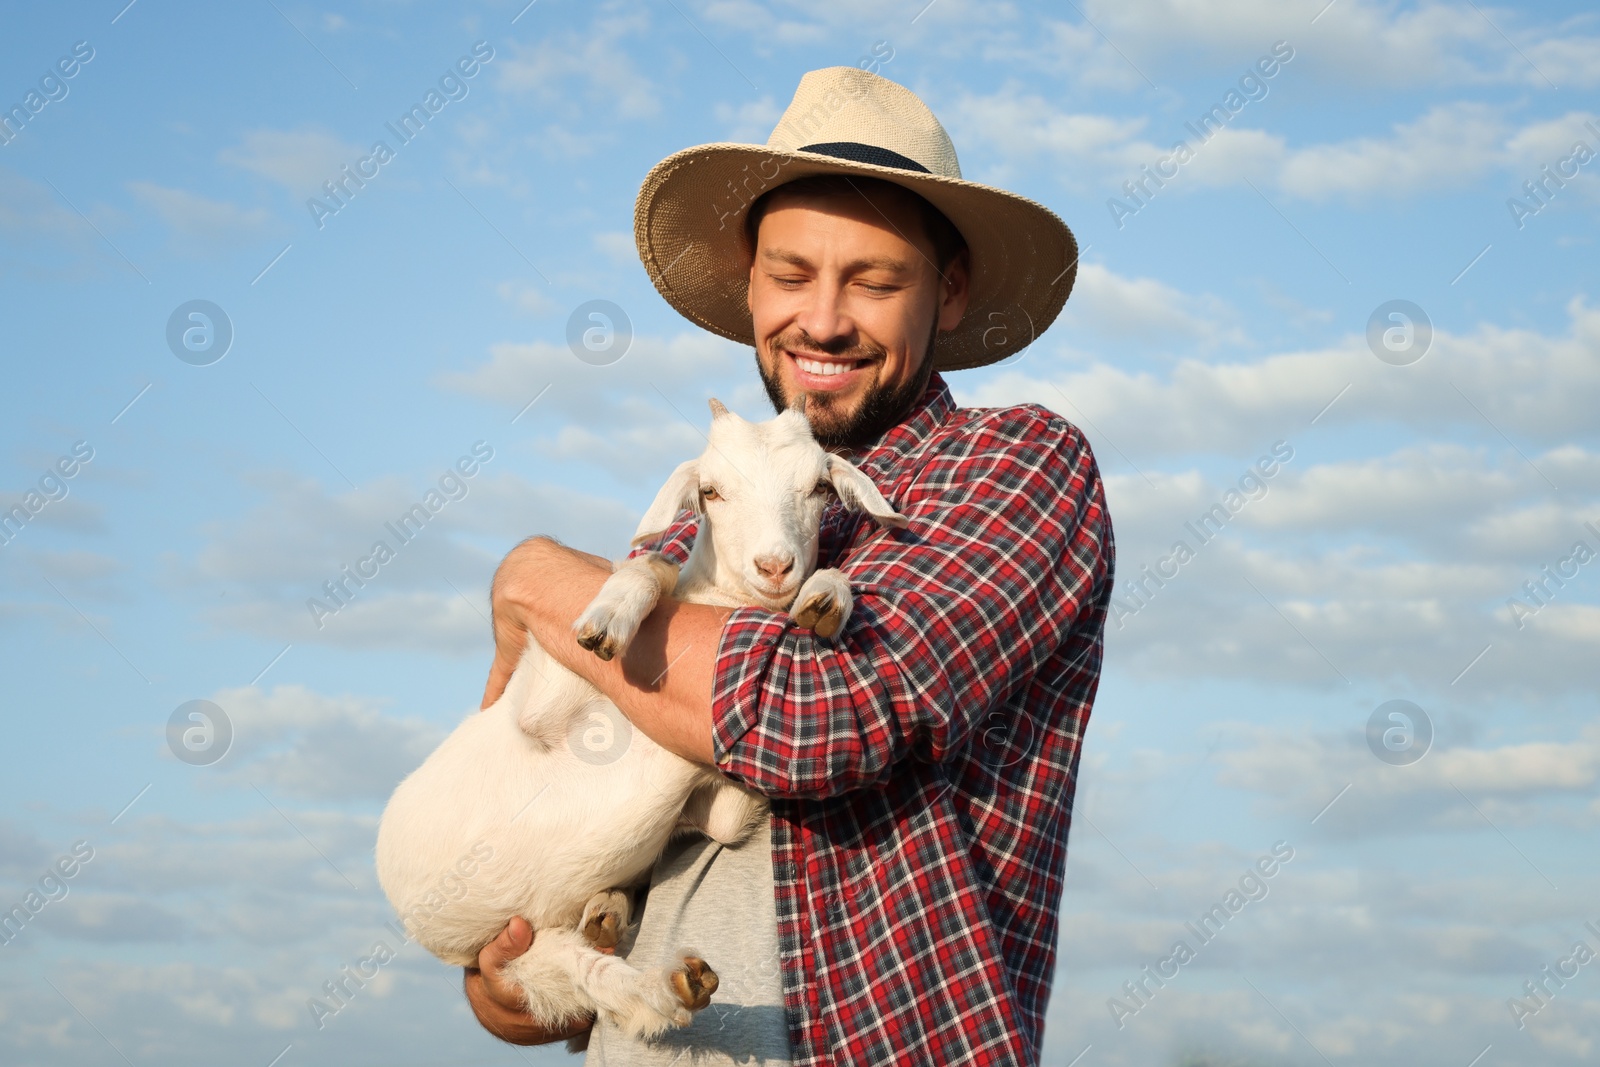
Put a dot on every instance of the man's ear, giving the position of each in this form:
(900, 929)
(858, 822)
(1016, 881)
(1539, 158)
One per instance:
(957, 291)
(681, 491)
(859, 494)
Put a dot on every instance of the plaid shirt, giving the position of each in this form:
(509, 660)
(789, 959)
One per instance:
(921, 770)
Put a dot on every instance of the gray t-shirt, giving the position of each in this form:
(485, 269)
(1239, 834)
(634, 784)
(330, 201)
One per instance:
(716, 900)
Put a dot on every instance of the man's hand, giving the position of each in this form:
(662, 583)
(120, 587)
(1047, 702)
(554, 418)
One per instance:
(496, 1002)
(662, 684)
(516, 583)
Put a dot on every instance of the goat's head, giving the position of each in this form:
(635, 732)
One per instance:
(760, 488)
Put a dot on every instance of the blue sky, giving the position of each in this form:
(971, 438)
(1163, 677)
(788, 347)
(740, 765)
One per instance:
(375, 347)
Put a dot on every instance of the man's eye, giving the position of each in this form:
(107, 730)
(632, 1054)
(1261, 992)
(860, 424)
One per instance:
(709, 492)
(879, 289)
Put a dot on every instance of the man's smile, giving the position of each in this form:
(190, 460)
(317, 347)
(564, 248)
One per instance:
(827, 373)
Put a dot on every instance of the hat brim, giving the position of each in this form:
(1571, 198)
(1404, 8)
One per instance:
(688, 223)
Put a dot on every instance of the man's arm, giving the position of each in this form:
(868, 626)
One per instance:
(1006, 563)
(662, 683)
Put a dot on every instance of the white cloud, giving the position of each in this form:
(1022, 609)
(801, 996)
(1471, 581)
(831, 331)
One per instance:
(30, 207)
(199, 224)
(635, 418)
(749, 123)
(1354, 42)
(438, 623)
(790, 24)
(1452, 788)
(1550, 144)
(300, 160)
(618, 247)
(1233, 156)
(1538, 388)
(530, 299)
(598, 59)
(91, 574)
(1450, 145)
(277, 559)
(46, 241)
(641, 430)
(1394, 570)
(1567, 58)
(1143, 310)
(112, 918)
(515, 373)
(1028, 125)
(1422, 490)
(22, 853)
(1355, 615)
(293, 742)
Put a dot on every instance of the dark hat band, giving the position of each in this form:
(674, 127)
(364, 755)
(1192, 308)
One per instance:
(856, 152)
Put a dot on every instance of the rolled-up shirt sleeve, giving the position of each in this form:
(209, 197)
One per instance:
(674, 542)
(1005, 553)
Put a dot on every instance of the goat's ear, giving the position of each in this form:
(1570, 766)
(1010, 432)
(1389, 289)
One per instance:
(797, 403)
(859, 494)
(718, 408)
(681, 491)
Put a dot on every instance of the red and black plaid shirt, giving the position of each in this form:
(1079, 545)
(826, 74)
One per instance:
(922, 769)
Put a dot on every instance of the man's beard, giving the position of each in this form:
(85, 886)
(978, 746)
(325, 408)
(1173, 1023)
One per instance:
(880, 410)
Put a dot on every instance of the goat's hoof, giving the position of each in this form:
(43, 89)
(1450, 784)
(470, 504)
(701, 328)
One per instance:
(820, 613)
(694, 983)
(602, 930)
(604, 918)
(596, 640)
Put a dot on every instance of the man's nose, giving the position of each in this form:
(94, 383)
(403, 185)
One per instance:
(775, 567)
(823, 318)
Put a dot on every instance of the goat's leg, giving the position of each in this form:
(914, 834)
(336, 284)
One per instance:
(612, 619)
(823, 603)
(562, 977)
(724, 811)
(605, 918)
(550, 700)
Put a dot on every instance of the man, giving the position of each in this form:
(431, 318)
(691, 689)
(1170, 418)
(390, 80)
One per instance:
(921, 769)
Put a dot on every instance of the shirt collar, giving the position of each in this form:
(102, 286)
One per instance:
(931, 410)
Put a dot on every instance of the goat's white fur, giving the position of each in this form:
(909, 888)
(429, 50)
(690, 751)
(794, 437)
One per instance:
(514, 815)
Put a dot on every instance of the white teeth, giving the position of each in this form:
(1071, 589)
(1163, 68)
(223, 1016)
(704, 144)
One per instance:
(811, 366)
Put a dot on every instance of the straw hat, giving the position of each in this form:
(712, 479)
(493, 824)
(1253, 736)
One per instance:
(689, 218)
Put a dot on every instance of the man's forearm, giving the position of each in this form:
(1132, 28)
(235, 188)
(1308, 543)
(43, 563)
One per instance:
(663, 683)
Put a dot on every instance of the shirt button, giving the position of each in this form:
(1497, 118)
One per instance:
(727, 758)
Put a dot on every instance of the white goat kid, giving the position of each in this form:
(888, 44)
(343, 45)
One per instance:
(514, 814)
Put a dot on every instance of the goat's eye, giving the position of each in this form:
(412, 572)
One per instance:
(823, 487)
(709, 492)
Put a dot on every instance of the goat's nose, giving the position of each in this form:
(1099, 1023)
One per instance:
(775, 567)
